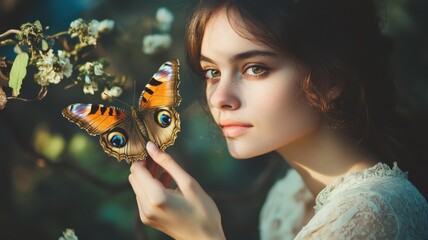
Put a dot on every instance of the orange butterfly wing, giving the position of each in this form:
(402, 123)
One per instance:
(94, 118)
(162, 89)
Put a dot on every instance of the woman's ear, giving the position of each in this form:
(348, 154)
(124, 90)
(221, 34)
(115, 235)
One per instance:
(333, 93)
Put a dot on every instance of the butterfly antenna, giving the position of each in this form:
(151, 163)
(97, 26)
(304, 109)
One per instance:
(117, 99)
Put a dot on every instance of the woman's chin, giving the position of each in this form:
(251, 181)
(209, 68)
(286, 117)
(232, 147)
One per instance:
(243, 153)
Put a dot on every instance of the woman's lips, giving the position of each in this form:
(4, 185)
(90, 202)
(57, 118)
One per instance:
(233, 129)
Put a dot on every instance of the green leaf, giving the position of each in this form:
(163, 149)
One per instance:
(38, 25)
(45, 45)
(18, 72)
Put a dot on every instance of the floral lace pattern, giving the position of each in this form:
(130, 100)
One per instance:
(282, 215)
(377, 203)
(380, 170)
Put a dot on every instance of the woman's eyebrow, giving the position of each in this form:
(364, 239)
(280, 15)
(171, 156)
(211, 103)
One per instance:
(244, 55)
(253, 53)
(206, 59)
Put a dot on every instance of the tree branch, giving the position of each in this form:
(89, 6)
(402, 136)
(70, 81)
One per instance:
(10, 31)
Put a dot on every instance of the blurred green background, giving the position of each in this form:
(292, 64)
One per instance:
(54, 176)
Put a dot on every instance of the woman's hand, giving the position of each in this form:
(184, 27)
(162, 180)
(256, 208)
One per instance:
(185, 213)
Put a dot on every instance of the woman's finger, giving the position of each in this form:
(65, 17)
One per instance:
(165, 179)
(149, 188)
(153, 167)
(158, 172)
(146, 213)
(184, 181)
(135, 185)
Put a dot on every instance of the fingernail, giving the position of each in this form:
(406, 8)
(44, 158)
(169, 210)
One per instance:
(151, 146)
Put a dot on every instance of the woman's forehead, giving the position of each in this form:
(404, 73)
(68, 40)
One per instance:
(222, 38)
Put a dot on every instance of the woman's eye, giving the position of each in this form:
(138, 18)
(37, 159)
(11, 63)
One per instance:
(212, 73)
(255, 71)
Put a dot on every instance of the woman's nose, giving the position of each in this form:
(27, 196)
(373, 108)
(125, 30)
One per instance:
(224, 95)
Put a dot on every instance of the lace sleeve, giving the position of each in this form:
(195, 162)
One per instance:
(353, 216)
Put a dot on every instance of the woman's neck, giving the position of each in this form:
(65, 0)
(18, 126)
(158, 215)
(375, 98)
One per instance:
(324, 156)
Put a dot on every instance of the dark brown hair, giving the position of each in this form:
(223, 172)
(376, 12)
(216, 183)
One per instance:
(341, 45)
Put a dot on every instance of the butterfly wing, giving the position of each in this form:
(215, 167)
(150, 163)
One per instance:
(125, 136)
(125, 141)
(94, 118)
(120, 136)
(162, 89)
(157, 105)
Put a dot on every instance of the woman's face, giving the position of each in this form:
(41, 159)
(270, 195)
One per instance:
(253, 92)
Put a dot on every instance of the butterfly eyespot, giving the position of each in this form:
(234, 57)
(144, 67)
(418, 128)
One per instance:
(163, 118)
(117, 138)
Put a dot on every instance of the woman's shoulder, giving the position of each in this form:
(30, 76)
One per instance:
(377, 203)
(380, 180)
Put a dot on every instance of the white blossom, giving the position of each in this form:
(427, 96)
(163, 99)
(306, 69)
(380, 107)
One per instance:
(64, 61)
(76, 26)
(68, 235)
(87, 67)
(112, 92)
(164, 19)
(87, 79)
(93, 28)
(105, 25)
(90, 38)
(85, 32)
(156, 42)
(45, 66)
(90, 88)
(98, 69)
(88, 33)
(52, 68)
(90, 73)
(42, 77)
(92, 68)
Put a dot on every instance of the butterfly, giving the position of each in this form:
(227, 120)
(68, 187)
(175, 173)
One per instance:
(124, 135)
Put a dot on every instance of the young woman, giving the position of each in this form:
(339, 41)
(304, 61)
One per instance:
(300, 77)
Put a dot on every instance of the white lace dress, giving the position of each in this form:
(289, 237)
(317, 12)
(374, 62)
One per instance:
(377, 203)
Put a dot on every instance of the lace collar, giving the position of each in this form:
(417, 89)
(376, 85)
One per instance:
(379, 170)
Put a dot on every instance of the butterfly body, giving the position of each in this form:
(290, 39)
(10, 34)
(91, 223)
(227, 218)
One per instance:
(124, 135)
